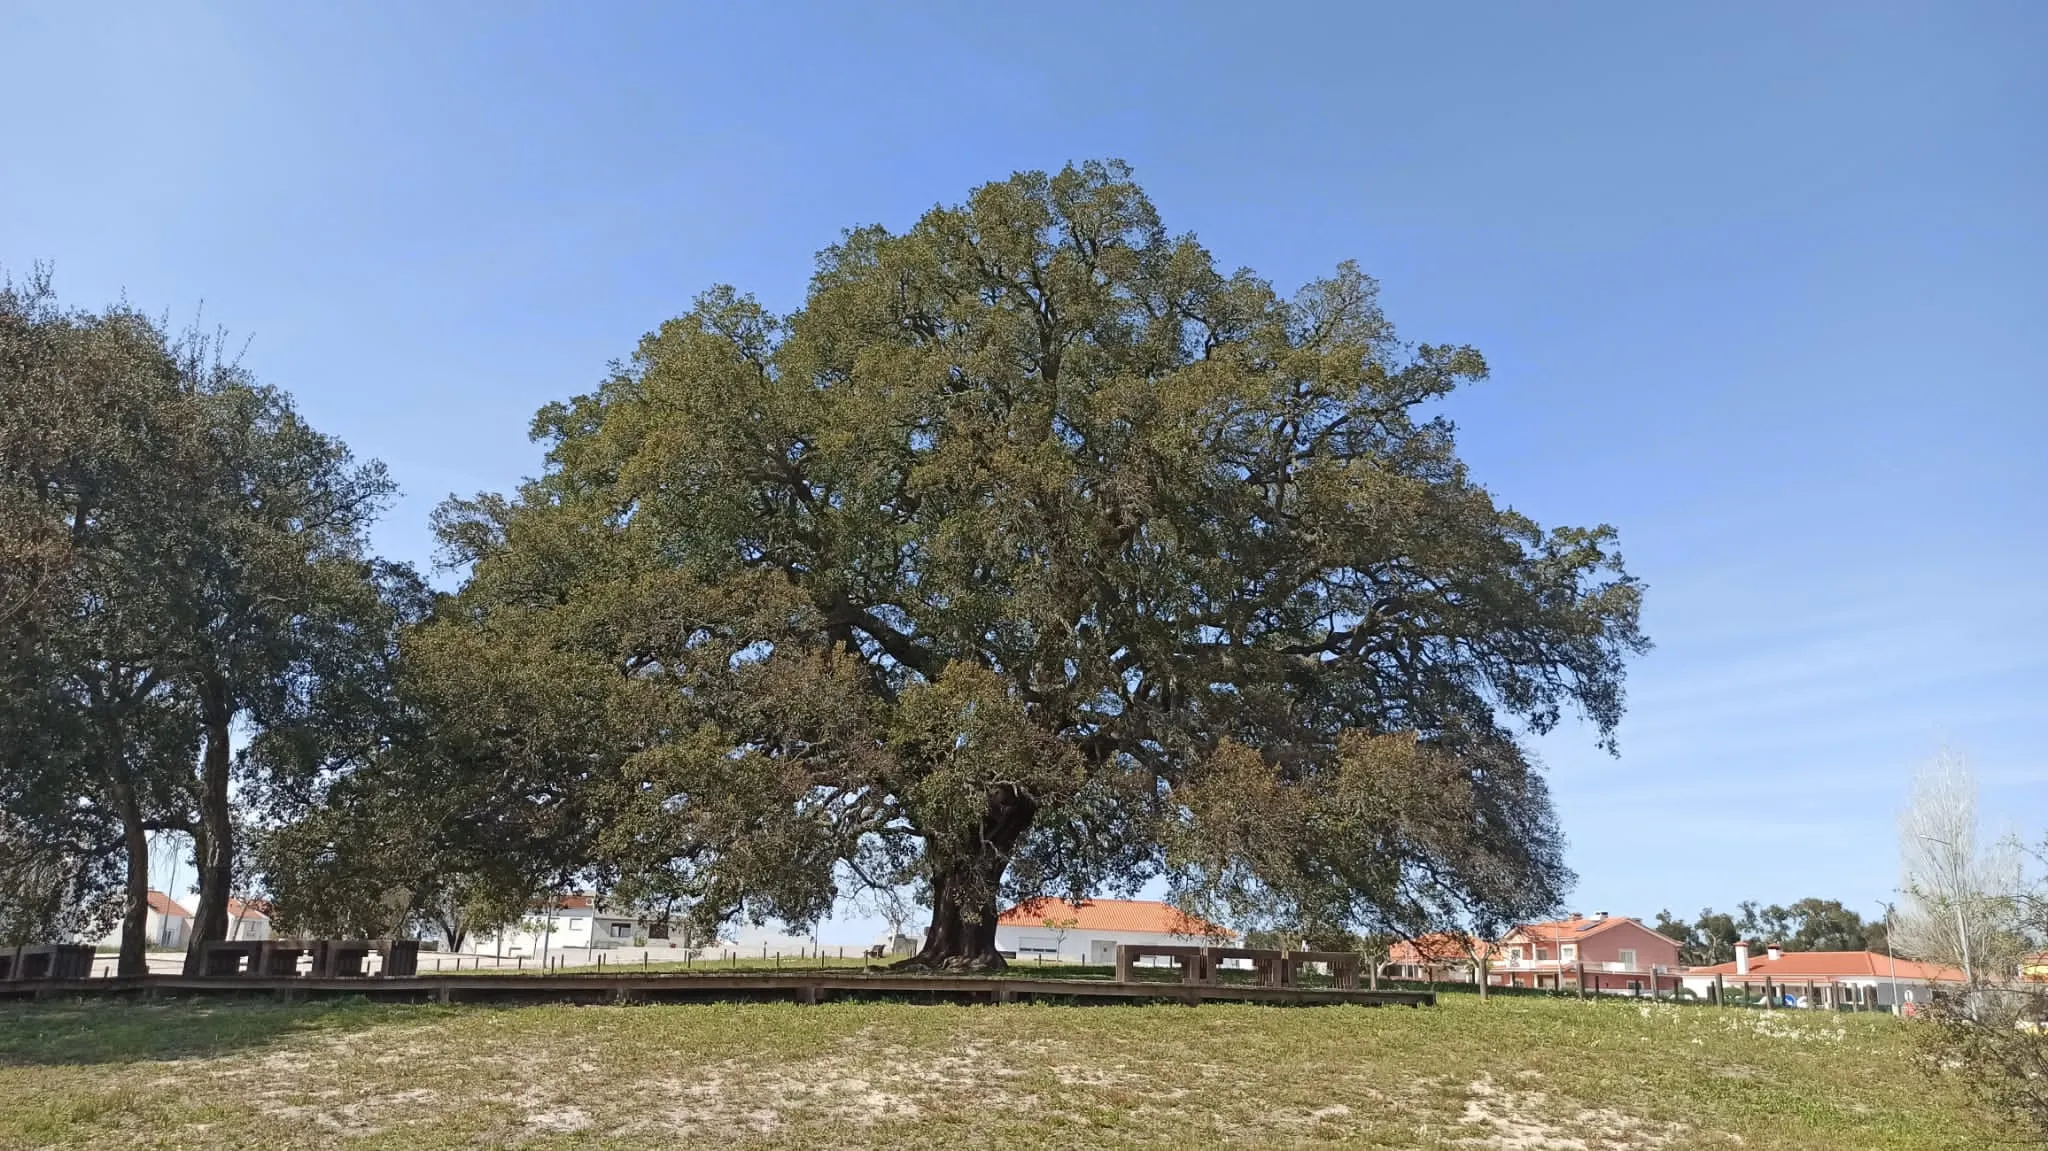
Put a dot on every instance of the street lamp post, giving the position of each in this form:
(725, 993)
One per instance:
(1891, 956)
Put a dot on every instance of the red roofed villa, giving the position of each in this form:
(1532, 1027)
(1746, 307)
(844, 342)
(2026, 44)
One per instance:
(1859, 980)
(1611, 953)
(1056, 931)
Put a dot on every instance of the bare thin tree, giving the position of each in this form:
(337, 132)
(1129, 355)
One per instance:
(1959, 885)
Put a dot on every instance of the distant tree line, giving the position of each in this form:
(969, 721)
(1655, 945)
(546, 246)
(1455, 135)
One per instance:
(1807, 925)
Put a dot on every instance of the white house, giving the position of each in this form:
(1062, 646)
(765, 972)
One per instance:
(250, 920)
(762, 939)
(169, 926)
(577, 921)
(1088, 932)
(1861, 980)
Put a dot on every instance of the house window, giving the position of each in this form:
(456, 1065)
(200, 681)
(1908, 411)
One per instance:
(622, 930)
(1628, 959)
(1568, 953)
(1036, 945)
(1540, 957)
(1514, 955)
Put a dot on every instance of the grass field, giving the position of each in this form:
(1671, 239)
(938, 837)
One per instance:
(1511, 1074)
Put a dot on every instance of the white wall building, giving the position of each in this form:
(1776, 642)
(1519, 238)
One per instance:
(248, 920)
(1088, 932)
(571, 921)
(169, 925)
(1842, 980)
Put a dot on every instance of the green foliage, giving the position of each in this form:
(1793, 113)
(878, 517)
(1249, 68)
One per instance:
(387, 823)
(1033, 553)
(196, 559)
(96, 430)
(1807, 925)
(1993, 1035)
(1996, 1042)
(48, 892)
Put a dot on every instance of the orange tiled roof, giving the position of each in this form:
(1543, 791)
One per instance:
(164, 905)
(253, 909)
(1439, 947)
(1837, 965)
(1574, 928)
(1113, 915)
(572, 901)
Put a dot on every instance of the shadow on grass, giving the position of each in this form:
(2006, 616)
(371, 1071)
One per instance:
(82, 1032)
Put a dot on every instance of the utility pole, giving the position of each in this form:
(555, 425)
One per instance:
(1890, 955)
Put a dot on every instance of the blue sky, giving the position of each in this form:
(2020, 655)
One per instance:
(1761, 284)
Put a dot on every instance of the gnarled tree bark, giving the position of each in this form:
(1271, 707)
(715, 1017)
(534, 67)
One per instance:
(135, 914)
(215, 843)
(962, 936)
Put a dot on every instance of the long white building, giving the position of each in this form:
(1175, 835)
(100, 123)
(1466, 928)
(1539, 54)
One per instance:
(1056, 931)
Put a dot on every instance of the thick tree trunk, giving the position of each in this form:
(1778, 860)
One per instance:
(135, 918)
(963, 931)
(216, 844)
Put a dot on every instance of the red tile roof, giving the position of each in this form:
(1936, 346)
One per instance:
(253, 909)
(1113, 915)
(1795, 965)
(164, 905)
(1439, 947)
(568, 901)
(1568, 930)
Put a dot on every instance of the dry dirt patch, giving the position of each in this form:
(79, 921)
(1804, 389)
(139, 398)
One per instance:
(1525, 1119)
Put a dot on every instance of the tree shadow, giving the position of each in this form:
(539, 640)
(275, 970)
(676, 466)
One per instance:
(100, 1031)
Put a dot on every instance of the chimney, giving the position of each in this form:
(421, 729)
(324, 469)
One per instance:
(1742, 957)
(1774, 951)
(1599, 915)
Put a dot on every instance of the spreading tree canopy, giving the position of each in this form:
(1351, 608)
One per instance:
(1034, 554)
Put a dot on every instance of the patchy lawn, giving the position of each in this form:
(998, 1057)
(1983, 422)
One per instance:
(1512, 1074)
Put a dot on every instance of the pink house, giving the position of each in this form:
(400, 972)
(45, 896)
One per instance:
(1610, 953)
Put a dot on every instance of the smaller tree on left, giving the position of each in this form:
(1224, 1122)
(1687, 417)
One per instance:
(179, 554)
